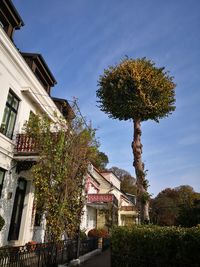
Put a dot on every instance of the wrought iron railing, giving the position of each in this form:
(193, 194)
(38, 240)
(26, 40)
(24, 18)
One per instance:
(25, 144)
(45, 254)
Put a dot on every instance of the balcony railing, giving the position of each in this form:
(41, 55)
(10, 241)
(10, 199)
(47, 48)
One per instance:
(128, 208)
(25, 144)
(102, 198)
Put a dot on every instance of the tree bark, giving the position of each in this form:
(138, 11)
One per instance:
(142, 203)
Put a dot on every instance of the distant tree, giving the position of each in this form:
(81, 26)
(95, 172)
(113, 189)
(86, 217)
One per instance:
(189, 207)
(128, 182)
(120, 173)
(137, 90)
(178, 206)
(186, 195)
(164, 208)
(128, 185)
(189, 216)
(101, 160)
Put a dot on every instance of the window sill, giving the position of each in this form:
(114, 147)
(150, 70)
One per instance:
(7, 139)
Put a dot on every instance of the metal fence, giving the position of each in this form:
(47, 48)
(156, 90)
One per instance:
(45, 254)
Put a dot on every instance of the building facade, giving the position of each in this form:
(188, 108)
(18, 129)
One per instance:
(25, 87)
(106, 204)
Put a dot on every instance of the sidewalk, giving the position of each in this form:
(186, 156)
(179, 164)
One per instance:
(101, 260)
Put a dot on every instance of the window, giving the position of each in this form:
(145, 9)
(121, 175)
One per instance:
(10, 114)
(2, 174)
(38, 218)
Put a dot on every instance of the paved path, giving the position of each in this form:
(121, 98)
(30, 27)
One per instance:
(101, 260)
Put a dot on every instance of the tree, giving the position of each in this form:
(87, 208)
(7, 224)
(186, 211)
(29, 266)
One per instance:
(189, 216)
(65, 150)
(177, 206)
(164, 208)
(189, 206)
(137, 90)
(101, 160)
(120, 173)
(128, 184)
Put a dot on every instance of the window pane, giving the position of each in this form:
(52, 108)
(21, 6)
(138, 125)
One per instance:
(2, 173)
(10, 113)
(1, 176)
(5, 120)
(10, 97)
(11, 124)
(15, 103)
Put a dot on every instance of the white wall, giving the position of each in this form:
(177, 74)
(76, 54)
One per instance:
(16, 75)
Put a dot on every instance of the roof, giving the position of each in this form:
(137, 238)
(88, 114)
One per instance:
(94, 179)
(65, 104)
(17, 21)
(41, 64)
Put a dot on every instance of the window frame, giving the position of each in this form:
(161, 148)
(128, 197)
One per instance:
(11, 109)
(1, 184)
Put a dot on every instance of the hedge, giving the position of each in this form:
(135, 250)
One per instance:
(154, 246)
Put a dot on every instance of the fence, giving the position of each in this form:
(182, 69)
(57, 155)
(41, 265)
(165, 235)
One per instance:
(45, 254)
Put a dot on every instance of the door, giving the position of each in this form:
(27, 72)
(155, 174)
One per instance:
(17, 210)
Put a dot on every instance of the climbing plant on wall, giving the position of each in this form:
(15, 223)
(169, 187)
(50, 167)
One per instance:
(64, 149)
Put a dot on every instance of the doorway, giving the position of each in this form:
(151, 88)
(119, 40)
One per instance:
(17, 209)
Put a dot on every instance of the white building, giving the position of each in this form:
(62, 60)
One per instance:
(25, 86)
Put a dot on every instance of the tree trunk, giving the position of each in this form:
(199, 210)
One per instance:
(142, 201)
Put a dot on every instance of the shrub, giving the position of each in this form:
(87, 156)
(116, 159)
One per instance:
(155, 246)
(101, 232)
(2, 222)
(83, 235)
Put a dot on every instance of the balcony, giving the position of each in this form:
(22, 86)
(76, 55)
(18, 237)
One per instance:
(128, 208)
(128, 211)
(25, 145)
(102, 199)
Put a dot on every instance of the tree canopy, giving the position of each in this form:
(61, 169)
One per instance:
(128, 182)
(177, 206)
(136, 89)
(120, 173)
(100, 161)
(128, 185)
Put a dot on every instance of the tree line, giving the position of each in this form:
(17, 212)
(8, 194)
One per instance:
(178, 206)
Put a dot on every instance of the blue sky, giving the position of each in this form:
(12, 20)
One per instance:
(79, 38)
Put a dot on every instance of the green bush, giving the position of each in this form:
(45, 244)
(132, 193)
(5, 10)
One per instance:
(83, 235)
(154, 246)
(2, 222)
